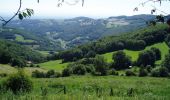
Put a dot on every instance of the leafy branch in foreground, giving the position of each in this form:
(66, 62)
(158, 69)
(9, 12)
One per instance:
(159, 18)
(29, 12)
(21, 14)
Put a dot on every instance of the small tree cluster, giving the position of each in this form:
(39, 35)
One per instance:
(149, 57)
(160, 72)
(49, 74)
(121, 60)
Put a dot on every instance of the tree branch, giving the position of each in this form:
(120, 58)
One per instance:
(5, 22)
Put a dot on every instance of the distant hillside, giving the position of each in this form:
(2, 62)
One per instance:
(136, 40)
(72, 32)
(17, 55)
(23, 37)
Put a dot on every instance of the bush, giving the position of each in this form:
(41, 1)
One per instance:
(155, 73)
(79, 69)
(130, 73)
(143, 72)
(113, 72)
(38, 66)
(160, 72)
(163, 72)
(57, 74)
(50, 73)
(166, 61)
(66, 72)
(31, 65)
(149, 68)
(3, 75)
(38, 74)
(89, 68)
(18, 83)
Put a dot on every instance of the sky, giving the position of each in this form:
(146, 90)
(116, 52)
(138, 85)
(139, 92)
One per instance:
(91, 8)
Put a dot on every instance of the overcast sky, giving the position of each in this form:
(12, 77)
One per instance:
(92, 8)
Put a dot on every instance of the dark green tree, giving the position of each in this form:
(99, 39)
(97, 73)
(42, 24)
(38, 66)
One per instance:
(146, 58)
(121, 60)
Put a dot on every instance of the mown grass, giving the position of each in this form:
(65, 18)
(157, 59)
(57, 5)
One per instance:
(55, 65)
(134, 54)
(98, 88)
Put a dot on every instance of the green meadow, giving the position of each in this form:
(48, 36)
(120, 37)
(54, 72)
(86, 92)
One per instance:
(96, 88)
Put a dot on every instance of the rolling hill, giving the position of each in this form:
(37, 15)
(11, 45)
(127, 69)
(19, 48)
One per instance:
(68, 33)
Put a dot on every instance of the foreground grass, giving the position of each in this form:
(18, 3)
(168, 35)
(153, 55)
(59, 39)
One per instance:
(97, 88)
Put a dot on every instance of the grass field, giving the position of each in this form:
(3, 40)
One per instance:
(134, 54)
(10, 70)
(59, 66)
(56, 65)
(96, 88)
(20, 38)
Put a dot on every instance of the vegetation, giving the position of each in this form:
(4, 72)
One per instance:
(121, 60)
(18, 83)
(16, 55)
(136, 40)
(95, 87)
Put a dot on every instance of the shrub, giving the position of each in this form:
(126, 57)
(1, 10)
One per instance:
(38, 66)
(3, 75)
(155, 73)
(31, 65)
(166, 61)
(89, 68)
(50, 73)
(18, 62)
(57, 74)
(143, 72)
(66, 72)
(160, 72)
(18, 83)
(130, 73)
(113, 72)
(38, 74)
(163, 72)
(149, 68)
(79, 69)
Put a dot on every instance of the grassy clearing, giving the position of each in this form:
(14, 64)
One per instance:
(98, 88)
(45, 53)
(7, 69)
(10, 70)
(134, 54)
(56, 65)
(59, 66)
(20, 38)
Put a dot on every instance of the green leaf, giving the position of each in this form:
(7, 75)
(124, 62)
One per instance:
(28, 12)
(20, 16)
(24, 14)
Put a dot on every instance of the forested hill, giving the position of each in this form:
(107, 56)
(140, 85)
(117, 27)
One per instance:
(17, 55)
(136, 40)
(68, 33)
